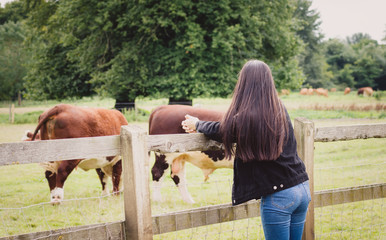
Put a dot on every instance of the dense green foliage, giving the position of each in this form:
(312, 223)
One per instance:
(12, 59)
(174, 49)
(52, 74)
(179, 49)
(311, 58)
(357, 62)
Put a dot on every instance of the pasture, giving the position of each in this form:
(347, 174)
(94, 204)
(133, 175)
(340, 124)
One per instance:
(24, 190)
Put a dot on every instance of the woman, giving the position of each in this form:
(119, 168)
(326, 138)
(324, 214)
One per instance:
(266, 165)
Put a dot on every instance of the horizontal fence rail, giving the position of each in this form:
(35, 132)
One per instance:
(350, 194)
(198, 217)
(77, 148)
(341, 133)
(113, 230)
(192, 218)
(62, 149)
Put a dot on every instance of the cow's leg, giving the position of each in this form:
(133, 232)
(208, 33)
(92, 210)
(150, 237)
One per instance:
(103, 178)
(64, 169)
(116, 177)
(157, 172)
(178, 176)
(207, 172)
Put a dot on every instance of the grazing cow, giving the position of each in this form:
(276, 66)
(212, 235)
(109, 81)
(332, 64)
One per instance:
(333, 90)
(167, 120)
(322, 92)
(365, 91)
(306, 91)
(285, 92)
(103, 166)
(347, 90)
(303, 91)
(66, 121)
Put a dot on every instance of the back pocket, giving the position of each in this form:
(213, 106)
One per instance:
(284, 199)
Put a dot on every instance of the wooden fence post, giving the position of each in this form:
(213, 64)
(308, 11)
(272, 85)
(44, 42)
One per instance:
(304, 133)
(135, 160)
(12, 113)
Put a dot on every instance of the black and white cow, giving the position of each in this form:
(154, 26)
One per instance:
(167, 120)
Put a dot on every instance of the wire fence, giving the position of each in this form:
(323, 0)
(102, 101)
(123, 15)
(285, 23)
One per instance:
(349, 164)
(359, 220)
(24, 206)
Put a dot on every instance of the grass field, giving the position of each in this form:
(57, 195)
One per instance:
(24, 190)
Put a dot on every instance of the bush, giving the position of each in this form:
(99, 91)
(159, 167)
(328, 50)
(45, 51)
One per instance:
(136, 115)
(379, 95)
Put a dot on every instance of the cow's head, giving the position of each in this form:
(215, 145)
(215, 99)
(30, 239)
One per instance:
(159, 167)
(28, 136)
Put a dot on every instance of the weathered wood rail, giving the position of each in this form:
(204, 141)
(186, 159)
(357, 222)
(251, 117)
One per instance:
(134, 143)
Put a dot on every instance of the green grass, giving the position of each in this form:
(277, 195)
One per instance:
(22, 118)
(337, 164)
(25, 186)
(336, 106)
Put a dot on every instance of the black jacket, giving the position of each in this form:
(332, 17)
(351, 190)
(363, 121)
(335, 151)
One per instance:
(255, 179)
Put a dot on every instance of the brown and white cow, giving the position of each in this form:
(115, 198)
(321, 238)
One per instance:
(366, 91)
(322, 92)
(167, 120)
(67, 121)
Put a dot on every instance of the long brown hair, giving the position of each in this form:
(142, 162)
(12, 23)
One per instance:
(256, 119)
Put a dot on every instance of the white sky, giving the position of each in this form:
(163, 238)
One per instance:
(3, 2)
(343, 18)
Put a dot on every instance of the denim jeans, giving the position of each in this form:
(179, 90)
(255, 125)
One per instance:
(283, 213)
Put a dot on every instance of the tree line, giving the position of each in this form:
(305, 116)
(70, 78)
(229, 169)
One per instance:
(175, 49)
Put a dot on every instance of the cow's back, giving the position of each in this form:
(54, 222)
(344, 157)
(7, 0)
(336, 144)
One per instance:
(167, 119)
(73, 122)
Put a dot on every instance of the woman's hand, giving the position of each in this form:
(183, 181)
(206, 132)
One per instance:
(189, 124)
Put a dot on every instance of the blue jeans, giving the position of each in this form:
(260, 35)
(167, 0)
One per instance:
(283, 213)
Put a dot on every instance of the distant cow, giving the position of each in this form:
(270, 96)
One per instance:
(285, 92)
(66, 121)
(306, 91)
(347, 90)
(167, 120)
(303, 91)
(322, 92)
(365, 91)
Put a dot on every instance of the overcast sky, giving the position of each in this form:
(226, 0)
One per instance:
(342, 18)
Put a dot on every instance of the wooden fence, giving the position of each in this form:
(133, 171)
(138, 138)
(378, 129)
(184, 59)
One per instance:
(134, 143)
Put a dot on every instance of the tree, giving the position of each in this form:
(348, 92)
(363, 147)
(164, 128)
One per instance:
(311, 59)
(370, 63)
(12, 59)
(359, 39)
(345, 76)
(359, 61)
(51, 73)
(13, 11)
(178, 49)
